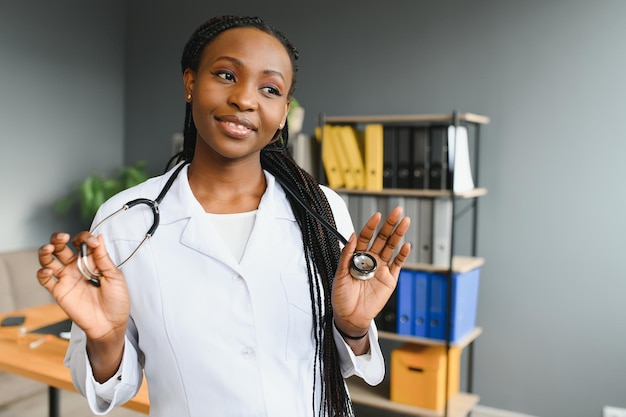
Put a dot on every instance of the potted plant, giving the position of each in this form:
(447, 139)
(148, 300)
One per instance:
(89, 195)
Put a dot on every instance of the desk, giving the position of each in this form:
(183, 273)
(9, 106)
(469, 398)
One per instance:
(44, 363)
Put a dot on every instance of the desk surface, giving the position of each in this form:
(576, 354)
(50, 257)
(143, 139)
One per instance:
(44, 363)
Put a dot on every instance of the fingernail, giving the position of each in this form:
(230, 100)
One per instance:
(93, 241)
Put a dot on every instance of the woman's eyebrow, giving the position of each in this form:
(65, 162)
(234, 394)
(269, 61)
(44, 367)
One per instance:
(239, 63)
(273, 72)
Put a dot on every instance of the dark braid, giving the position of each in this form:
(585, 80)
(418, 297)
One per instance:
(321, 248)
(322, 255)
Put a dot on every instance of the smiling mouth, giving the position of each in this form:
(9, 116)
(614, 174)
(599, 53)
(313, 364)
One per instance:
(238, 127)
(237, 122)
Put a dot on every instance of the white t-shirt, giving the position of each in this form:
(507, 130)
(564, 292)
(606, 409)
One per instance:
(235, 229)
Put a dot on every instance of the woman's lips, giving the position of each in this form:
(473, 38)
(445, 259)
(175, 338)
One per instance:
(235, 126)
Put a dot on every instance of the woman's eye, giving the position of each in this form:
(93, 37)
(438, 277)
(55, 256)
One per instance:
(226, 75)
(272, 90)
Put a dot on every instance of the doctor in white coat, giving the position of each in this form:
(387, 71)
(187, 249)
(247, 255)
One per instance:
(241, 303)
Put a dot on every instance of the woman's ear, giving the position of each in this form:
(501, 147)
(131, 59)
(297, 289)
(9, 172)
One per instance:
(189, 78)
(282, 124)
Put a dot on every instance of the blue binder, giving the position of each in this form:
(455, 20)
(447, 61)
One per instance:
(422, 308)
(405, 302)
(420, 316)
(465, 297)
(437, 308)
(464, 303)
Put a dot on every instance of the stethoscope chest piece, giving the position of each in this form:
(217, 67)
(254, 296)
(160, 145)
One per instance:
(363, 266)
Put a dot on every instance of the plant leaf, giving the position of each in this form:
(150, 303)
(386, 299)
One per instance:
(96, 189)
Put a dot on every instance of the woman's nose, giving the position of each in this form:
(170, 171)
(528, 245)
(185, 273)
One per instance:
(243, 97)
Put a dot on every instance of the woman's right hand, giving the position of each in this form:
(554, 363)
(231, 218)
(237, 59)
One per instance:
(101, 312)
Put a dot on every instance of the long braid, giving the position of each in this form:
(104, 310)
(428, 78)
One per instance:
(322, 251)
(321, 248)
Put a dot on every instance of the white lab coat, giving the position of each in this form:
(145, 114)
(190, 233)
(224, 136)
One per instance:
(219, 337)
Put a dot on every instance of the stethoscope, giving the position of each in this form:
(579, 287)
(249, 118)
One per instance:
(363, 265)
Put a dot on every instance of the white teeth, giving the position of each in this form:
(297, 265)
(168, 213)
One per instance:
(237, 126)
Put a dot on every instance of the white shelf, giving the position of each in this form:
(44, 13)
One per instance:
(462, 343)
(409, 118)
(459, 405)
(460, 264)
(410, 192)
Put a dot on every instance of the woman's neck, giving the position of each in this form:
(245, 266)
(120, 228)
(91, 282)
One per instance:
(232, 188)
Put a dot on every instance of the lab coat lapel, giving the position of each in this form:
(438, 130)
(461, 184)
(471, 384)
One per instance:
(199, 233)
(267, 237)
(202, 236)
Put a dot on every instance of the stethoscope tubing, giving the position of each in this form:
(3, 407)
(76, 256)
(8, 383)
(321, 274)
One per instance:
(82, 261)
(363, 265)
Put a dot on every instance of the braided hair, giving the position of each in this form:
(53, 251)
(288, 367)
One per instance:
(321, 248)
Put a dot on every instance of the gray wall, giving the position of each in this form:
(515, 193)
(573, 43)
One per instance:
(549, 74)
(61, 108)
(550, 77)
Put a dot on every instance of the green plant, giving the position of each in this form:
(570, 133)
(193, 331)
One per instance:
(295, 104)
(295, 117)
(96, 189)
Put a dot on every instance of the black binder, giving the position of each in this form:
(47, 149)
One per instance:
(420, 159)
(403, 139)
(438, 179)
(390, 161)
(386, 320)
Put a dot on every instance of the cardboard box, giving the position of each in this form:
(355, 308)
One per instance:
(418, 376)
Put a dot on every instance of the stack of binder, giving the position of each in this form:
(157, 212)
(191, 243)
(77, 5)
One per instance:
(379, 156)
(422, 304)
(352, 159)
(431, 223)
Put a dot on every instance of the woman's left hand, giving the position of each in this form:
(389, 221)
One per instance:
(356, 302)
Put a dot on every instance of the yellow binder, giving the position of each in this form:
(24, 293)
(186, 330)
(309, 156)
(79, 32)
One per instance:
(349, 181)
(373, 157)
(334, 176)
(351, 149)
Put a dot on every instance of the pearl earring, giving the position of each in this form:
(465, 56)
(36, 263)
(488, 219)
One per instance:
(188, 96)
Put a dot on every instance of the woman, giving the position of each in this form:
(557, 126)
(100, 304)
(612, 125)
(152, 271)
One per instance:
(242, 303)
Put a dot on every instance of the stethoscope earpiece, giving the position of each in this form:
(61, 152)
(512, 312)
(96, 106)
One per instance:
(83, 267)
(363, 266)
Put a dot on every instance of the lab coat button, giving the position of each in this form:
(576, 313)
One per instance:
(248, 352)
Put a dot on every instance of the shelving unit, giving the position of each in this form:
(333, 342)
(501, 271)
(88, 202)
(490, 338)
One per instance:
(378, 397)
(461, 404)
